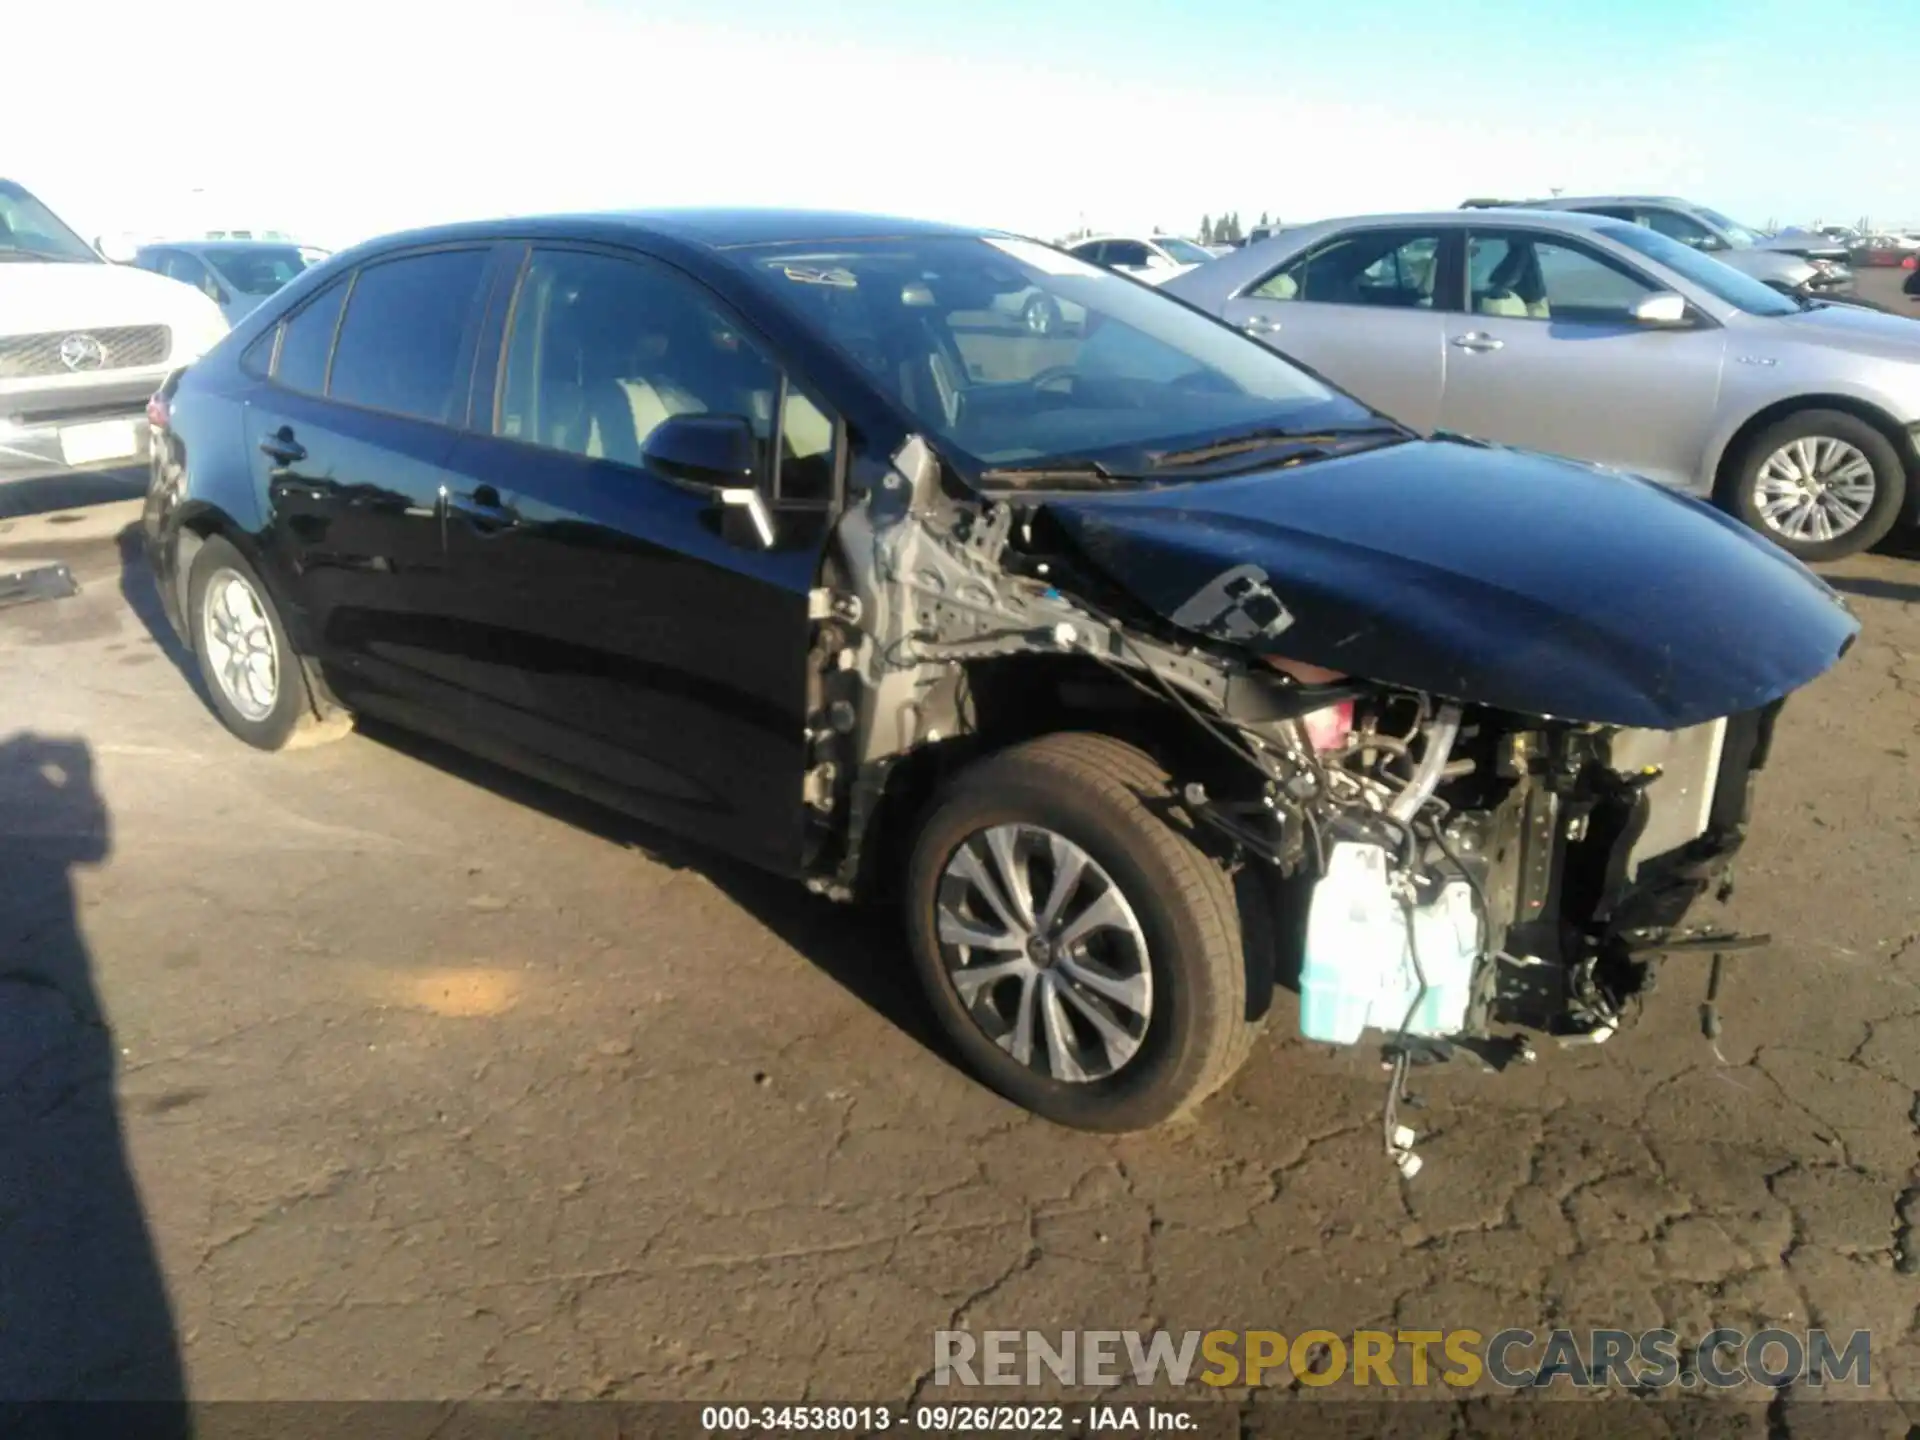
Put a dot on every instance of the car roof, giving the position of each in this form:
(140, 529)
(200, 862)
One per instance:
(715, 229)
(221, 245)
(1560, 201)
(1558, 219)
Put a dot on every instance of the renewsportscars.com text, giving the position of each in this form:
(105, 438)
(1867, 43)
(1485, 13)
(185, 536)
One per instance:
(1515, 1359)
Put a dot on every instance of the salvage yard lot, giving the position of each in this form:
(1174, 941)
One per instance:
(413, 1079)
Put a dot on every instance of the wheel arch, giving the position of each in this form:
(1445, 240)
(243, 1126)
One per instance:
(1014, 698)
(200, 521)
(1734, 449)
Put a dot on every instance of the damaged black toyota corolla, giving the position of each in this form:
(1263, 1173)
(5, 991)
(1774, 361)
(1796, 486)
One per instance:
(1145, 667)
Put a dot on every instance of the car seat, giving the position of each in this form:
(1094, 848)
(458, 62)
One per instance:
(1515, 290)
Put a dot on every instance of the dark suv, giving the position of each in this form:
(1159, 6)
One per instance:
(1146, 668)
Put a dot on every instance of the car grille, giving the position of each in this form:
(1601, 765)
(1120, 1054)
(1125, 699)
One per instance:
(67, 352)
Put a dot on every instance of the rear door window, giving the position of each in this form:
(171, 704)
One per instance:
(406, 336)
(306, 340)
(1392, 269)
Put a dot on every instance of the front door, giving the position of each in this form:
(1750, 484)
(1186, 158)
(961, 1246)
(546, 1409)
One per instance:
(1548, 356)
(619, 622)
(1363, 309)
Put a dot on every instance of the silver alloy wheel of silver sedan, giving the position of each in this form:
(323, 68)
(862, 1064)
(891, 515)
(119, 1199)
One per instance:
(1814, 489)
(1044, 952)
(240, 646)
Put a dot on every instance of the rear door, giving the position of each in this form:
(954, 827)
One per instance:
(1364, 308)
(366, 385)
(1550, 357)
(620, 622)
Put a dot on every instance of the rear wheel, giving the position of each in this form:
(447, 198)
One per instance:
(1083, 954)
(257, 683)
(1820, 484)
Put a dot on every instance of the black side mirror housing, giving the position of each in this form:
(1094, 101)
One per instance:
(717, 450)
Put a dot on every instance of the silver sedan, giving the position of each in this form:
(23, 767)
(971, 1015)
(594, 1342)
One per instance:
(1605, 341)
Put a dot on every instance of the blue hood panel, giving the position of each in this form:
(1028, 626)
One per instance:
(1481, 574)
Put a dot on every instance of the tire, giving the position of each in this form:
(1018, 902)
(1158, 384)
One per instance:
(290, 715)
(1116, 805)
(1889, 481)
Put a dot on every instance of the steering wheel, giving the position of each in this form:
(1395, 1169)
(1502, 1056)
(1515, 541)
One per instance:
(1052, 375)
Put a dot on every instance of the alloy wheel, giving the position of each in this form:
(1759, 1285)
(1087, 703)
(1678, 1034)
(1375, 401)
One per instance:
(1044, 952)
(1814, 489)
(240, 646)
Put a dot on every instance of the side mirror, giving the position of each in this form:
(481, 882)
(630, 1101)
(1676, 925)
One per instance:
(717, 452)
(1662, 310)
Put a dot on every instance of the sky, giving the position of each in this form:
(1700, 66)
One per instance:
(343, 119)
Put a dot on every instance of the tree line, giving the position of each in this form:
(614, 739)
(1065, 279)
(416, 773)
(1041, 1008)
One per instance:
(1227, 229)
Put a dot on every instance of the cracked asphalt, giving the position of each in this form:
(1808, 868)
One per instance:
(368, 1072)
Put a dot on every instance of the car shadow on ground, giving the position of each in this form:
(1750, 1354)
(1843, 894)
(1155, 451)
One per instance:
(137, 588)
(84, 1310)
(860, 947)
(70, 489)
(1872, 587)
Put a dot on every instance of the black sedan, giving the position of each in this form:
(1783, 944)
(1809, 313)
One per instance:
(1149, 671)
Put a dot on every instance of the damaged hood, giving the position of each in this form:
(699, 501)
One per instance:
(1482, 574)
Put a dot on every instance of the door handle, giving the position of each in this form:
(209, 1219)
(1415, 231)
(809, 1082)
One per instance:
(281, 446)
(1477, 341)
(1260, 325)
(482, 508)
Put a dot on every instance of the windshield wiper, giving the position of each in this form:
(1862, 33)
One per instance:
(1054, 475)
(1306, 442)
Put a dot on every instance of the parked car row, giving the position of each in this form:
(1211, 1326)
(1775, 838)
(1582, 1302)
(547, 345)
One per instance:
(1645, 333)
(84, 344)
(235, 274)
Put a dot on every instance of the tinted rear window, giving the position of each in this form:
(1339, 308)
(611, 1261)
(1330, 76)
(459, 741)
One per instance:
(307, 338)
(404, 333)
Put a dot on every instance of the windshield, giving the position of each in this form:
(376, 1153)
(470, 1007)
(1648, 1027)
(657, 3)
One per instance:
(30, 231)
(1720, 280)
(258, 270)
(1185, 251)
(1015, 354)
(1738, 235)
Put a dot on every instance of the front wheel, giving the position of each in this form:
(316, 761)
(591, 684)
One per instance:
(1082, 953)
(1820, 484)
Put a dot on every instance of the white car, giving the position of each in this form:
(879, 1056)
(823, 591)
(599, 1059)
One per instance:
(1156, 258)
(83, 344)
